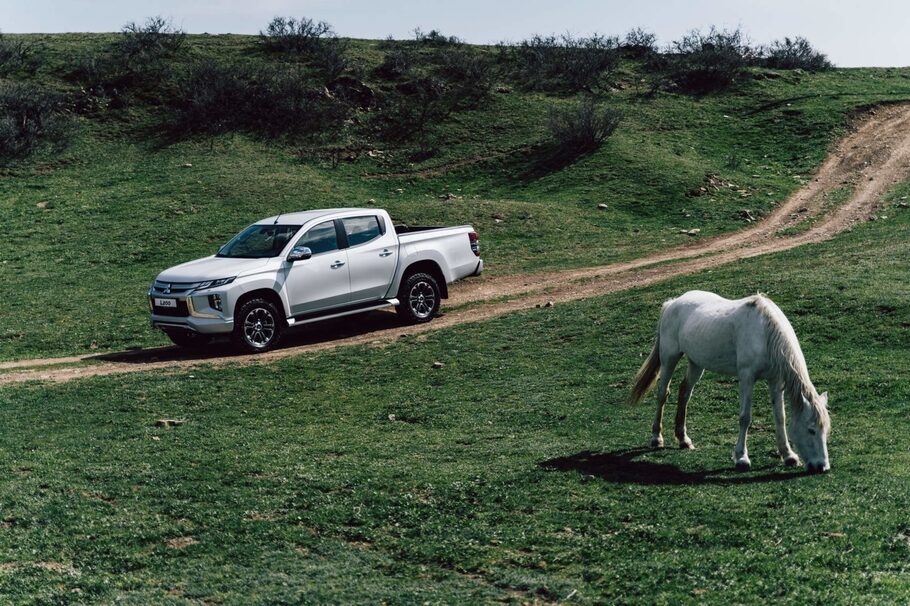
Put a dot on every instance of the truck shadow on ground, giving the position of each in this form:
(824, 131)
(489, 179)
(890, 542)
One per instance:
(621, 467)
(307, 334)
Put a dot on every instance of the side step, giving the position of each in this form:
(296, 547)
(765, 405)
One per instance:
(339, 312)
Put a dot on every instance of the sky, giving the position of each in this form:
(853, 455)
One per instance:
(852, 33)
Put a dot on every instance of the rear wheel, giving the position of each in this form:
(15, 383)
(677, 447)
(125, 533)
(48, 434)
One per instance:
(257, 326)
(419, 298)
(187, 339)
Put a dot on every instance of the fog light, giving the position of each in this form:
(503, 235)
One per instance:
(215, 302)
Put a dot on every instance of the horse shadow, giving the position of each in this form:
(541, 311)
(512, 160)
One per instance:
(621, 467)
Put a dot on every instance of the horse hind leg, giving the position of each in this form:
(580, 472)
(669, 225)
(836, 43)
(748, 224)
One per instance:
(693, 374)
(667, 366)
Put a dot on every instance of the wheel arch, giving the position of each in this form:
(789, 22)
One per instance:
(263, 293)
(429, 267)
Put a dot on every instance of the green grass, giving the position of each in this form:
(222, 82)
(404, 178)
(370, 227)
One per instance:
(513, 473)
(88, 228)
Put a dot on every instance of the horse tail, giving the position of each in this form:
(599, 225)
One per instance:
(647, 374)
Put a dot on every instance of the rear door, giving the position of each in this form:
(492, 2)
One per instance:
(323, 281)
(373, 255)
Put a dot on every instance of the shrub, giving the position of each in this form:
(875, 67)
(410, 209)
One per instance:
(468, 74)
(435, 38)
(639, 43)
(701, 63)
(28, 115)
(795, 53)
(300, 36)
(409, 113)
(15, 56)
(564, 63)
(396, 64)
(582, 127)
(307, 39)
(271, 101)
(210, 98)
(143, 50)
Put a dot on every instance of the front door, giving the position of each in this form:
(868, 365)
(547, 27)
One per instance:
(323, 281)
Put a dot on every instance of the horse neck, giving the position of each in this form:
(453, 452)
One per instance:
(787, 360)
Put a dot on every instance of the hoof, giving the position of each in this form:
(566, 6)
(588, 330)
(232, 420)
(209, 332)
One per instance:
(657, 442)
(791, 461)
(686, 444)
(743, 465)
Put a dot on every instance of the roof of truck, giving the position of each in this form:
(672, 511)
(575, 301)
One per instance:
(301, 217)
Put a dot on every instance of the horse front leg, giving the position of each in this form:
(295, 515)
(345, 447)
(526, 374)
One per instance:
(741, 452)
(783, 444)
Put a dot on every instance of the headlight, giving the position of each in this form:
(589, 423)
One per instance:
(214, 283)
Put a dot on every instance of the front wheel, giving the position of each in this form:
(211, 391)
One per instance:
(257, 326)
(419, 298)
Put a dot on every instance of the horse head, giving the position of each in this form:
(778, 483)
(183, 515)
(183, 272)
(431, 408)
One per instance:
(809, 426)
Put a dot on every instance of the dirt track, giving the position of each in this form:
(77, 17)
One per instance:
(871, 159)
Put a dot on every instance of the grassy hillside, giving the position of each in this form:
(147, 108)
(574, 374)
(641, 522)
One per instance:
(514, 473)
(88, 226)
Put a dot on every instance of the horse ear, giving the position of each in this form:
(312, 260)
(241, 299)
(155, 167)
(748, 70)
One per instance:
(824, 398)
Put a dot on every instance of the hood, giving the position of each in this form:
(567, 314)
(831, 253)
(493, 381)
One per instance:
(211, 268)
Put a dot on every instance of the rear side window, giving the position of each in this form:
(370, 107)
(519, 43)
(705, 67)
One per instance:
(320, 238)
(361, 229)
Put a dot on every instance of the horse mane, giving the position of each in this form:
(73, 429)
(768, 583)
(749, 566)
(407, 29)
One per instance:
(788, 364)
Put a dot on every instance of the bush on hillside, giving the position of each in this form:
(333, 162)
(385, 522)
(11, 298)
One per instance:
(143, 51)
(583, 127)
(140, 59)
(795, 53)
(396, 63)
(300, 36)
(15, 56)
(412, 110)
(564, 63)
(271, 101)
(29, 115)
(468, 74)
(435, 38)
(313, 41)
(701, 63)
(639, 43)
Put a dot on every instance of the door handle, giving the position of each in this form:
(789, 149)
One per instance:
(385, 253)
(336, 264)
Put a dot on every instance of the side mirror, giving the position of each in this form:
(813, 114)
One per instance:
(299, 253)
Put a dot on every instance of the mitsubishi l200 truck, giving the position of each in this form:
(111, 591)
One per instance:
(308, 266)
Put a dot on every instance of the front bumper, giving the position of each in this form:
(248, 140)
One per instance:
(205, 326)
(187, 316)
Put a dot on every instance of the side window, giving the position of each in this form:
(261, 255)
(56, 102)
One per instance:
(320, 238)
(361, 229)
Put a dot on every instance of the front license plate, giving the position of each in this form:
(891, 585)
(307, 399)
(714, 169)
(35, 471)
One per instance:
(172, 303)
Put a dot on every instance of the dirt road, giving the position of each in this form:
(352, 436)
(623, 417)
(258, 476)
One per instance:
(871, 159)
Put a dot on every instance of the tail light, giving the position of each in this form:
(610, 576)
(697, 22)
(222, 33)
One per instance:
(475, 243)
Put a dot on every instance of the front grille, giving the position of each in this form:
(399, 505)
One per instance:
(173, 288)
(181, 311)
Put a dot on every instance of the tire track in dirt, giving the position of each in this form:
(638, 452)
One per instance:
(872, 158)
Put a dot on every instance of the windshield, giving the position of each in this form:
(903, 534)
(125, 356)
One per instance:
(259, 241)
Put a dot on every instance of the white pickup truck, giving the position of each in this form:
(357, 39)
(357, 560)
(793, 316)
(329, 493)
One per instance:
(308, 266)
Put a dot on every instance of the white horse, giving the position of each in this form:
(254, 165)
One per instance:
(750, 339)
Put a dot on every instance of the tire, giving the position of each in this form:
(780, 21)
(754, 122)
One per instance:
(419, 298)
(187, 339)
(257, 326)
